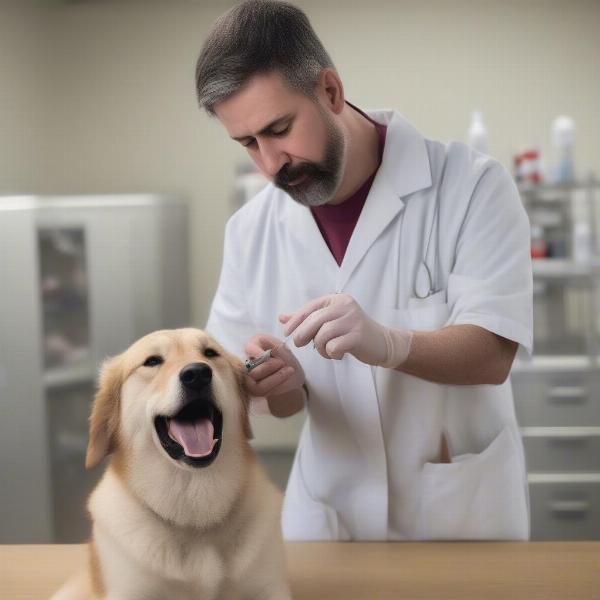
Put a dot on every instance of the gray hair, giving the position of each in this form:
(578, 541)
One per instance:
(258, 36)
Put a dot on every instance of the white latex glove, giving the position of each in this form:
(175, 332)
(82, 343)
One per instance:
(337, 324)
(281, 374)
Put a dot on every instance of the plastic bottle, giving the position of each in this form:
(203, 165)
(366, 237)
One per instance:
(582, 241)
(539, 247)
(528, 166)
(477, 136)
(563, 130)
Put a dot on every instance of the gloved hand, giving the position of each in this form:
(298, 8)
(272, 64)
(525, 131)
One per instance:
(281, 374)
(337, 324)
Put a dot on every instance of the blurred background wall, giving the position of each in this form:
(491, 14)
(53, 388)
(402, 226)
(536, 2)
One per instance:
(97, 96)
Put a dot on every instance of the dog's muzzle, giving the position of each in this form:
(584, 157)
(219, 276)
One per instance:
(193, 434)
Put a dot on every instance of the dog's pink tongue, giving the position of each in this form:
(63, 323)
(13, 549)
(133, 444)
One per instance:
(196, 438)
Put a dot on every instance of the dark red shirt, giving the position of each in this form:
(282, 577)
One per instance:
(337, 222)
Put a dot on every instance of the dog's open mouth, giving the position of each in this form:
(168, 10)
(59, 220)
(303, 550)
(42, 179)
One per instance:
(193, 435)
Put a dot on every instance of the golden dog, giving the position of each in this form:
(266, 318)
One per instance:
(184, 510)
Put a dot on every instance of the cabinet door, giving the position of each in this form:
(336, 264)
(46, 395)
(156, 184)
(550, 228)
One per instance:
(25, 508)
(562, 450)
(557, 399)
(567, 510)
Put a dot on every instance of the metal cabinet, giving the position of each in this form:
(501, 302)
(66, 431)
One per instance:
(80, 279)
(557, 400)
(557, 391)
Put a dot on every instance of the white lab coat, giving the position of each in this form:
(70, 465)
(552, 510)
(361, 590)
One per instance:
(365, 469)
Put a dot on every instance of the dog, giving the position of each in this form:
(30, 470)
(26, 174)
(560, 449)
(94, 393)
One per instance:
(184, 510)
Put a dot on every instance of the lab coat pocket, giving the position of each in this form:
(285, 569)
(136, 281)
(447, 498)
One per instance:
(428, 314)
(304, 517)
(437, 298)
(477, 496)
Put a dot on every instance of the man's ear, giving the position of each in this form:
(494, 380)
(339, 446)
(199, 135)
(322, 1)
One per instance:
(331, 90)
(104, 420)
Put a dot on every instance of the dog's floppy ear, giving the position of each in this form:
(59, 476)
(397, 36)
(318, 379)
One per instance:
(240, 376)
(104, 421)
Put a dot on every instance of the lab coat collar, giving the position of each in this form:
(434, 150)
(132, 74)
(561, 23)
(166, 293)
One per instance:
(404, 170)
(405, 159)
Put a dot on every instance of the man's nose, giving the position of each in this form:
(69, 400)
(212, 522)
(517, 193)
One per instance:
(273, 158)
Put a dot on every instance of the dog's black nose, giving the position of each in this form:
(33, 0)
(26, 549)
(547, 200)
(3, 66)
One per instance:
(195, 376)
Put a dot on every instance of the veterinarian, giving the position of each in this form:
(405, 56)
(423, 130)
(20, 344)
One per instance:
(400, 267)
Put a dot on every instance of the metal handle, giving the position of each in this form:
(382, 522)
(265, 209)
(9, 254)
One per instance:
(568, 394)
(569, 508)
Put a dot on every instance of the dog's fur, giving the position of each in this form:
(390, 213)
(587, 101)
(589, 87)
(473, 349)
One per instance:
(162, 528)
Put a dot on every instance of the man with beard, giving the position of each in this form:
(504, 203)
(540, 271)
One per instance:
(400, 268)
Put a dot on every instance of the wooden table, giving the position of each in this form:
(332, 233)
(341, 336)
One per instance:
(372, 571)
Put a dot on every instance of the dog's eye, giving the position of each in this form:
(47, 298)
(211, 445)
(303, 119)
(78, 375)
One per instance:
(210, 353)
(152, 361)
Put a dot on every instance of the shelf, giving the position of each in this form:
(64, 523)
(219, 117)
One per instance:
(548, 188)
(569, 432)
(562, 268)
(68, 375)
(563, 477)
(554, 364)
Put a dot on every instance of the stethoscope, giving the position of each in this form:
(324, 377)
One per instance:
(424, 285)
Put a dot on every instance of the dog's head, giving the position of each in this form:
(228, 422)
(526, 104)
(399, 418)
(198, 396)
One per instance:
(176, 392)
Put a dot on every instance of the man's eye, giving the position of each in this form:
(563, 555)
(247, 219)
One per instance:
(210, 353)
(152, 361)
(282, 131)
(250, 143)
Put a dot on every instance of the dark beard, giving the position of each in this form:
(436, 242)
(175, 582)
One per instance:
(322, 178)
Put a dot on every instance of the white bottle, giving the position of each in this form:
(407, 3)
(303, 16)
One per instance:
(477, 136)
(563, 130)
(582, 242)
